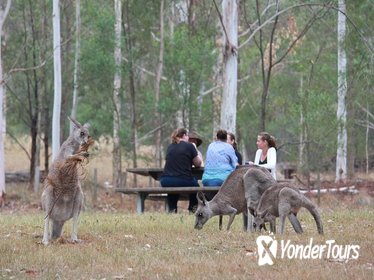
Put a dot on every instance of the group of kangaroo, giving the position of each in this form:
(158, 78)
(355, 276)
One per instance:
(250, 190)
(253, 191)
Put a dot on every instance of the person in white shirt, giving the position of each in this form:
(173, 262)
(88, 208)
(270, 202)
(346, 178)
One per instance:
(266, 155)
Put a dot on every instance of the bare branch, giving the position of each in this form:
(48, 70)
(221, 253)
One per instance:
(256, 22)
(308, 25)
(27, 69)
(328, 6)
(365, 110)
(19, 144)
(145, 70)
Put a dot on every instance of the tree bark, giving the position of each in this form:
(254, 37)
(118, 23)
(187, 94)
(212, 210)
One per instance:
(57, 79)
(217, 76)
(76, 62)
(230, 65)
(158, 157)
(117, 164)
(134, 122)
(3, 15)
(341, 154)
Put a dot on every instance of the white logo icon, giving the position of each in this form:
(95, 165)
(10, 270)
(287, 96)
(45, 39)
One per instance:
(266, 249)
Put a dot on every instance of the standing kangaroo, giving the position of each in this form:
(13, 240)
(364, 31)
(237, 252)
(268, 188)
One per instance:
(282, 200)
(62, 198)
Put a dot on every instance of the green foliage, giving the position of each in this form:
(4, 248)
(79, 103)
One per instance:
(191, 51)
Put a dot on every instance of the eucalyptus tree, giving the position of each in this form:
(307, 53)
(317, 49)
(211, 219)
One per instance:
(117, 166)
(230, 64)
(160, 64)
(341, 154)
(3, 14)
(57, 79)
(74, 105)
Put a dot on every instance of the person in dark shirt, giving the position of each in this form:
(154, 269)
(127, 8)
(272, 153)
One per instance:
(180, 157)
(231, 140)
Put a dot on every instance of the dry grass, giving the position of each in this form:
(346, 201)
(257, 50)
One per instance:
(161, 246)
(118, 244)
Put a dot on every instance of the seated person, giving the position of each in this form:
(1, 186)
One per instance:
(266, 155)
(231, 140)
(220, 160)
(180, 157)
(195, 138)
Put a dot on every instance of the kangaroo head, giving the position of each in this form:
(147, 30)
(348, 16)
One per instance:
(259, 219)
(203, 212)
(80, 132)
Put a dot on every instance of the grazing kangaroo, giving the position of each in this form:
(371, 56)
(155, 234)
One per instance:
(229, 200)
(62, 198)
(239, 193)
(282, 200)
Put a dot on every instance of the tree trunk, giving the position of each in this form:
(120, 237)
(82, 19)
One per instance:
(341, 154)
(117, 164)
(217, 76)
(367, 139)
(158, 157)
(3, 15)
(57, 79)
(230, 65)
(34, 108)
(134, 124)
(76, 62)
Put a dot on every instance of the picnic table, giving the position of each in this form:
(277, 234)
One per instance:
(160, 193)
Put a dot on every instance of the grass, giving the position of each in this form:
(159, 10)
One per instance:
(161, 246)
(117, 244)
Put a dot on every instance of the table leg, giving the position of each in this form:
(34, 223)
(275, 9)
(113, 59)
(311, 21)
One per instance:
(140, 203)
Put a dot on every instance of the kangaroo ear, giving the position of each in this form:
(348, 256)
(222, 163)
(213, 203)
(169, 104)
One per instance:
(87, 125)
(201, 198)
(76, 123)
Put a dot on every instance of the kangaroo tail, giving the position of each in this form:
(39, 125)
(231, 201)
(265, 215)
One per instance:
(312, 208)
(57, 229)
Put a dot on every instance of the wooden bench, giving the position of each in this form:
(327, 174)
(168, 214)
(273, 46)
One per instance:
(159, 193)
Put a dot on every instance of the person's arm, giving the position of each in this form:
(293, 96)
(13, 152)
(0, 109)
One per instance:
(257, 156)
(197, 160)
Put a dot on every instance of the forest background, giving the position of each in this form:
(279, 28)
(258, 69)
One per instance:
(170, 75)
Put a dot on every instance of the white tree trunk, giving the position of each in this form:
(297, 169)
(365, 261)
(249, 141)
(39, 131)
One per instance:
(230, 65)
(3, 15)
(57, 79)
(217, 76)
(341, 155)
(160, 64)
(76, 61)
(117, 166)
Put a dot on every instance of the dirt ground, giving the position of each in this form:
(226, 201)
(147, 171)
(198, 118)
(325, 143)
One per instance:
(100, 194)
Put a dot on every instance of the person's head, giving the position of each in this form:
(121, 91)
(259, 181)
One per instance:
(265, 140)
(231, 139)
(194, 137)
(222, 135)
(180, 134)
